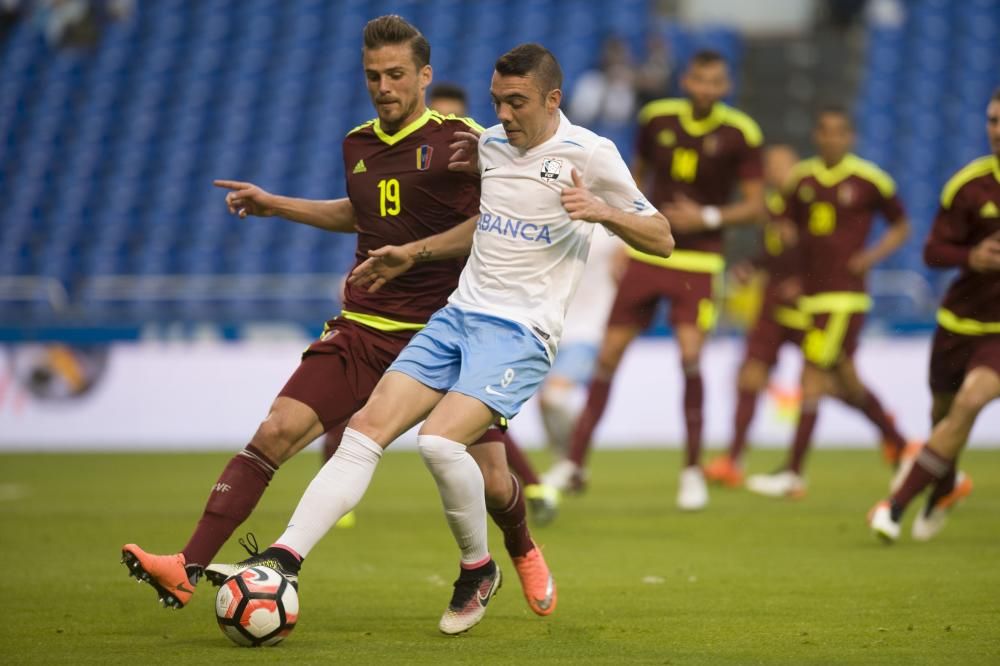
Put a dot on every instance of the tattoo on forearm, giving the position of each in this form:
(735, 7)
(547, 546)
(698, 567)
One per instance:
(423, 254)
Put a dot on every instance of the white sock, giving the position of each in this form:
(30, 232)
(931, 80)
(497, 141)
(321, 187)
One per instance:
(335, 490)
(560, 411)
(461, 485)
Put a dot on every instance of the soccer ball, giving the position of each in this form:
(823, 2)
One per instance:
(257, 606)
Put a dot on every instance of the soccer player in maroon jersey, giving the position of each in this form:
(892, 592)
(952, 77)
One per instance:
(449, 99)
(779, 322)
(697, 152)
(400, 189)
(833, 199)
(965, 356)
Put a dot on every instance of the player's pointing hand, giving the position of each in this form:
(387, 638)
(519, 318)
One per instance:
(384, 264)
(246, 198)
(581, 203)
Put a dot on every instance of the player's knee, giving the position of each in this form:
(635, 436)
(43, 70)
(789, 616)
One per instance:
(437, 450)
(752, 377)
(968, 403)
(498, 487)
(274, 438)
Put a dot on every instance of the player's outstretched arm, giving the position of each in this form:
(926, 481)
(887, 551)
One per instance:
(891, 240)
(646, 233)
(245, 199)
(390, 261)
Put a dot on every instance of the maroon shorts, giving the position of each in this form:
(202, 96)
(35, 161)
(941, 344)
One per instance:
(831, 337)
(339, 371)
(953, 356)
(643, 285)
(767, 336)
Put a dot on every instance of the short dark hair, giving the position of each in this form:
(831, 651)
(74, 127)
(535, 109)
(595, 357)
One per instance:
(394, 29)
(706, 57)
(448, 91)
(526, 59)
(834, 110)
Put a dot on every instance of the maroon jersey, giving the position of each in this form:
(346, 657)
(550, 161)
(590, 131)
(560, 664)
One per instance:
(402, 191)
(969, 213)
(834, 209)
(779, 260)
(702, 159)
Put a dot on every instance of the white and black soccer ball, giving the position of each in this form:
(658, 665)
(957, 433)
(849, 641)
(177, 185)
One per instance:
(256, 607)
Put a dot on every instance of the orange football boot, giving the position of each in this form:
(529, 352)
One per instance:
(536, 581)
(166, 573)
(724, 471)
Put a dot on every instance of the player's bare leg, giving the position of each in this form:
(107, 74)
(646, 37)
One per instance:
(460, 418)
(788, 482)
(542, 501)
(727, 469)
(692, 494)
(569, 474)
(289, 427)
(560, 409)
(505, 502)
(853, 392)
(936, 460)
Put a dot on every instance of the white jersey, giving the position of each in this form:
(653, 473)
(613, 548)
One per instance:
(588, 313)
(527, 254)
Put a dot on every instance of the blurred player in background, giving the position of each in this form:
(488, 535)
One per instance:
(779, 321)
(448, 99)
(965, 356)
(698, 152)
(488, 350)
(833, 199)
(400, 189)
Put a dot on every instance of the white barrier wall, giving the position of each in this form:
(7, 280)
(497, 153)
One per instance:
(211, 395)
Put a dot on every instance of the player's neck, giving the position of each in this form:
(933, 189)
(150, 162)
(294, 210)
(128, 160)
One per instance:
(702, 112)
(831, 162)
(405, 122)
(550, 131)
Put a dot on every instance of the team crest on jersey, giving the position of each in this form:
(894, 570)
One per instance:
(845, 194)
(666, 137)
(551, 168)
(710, 146)
(424, 153)
(989, 209)
(806, 193)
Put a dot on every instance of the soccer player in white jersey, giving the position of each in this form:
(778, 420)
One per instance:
(545, 183)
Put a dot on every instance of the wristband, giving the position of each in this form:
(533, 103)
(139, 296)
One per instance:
(711, 216)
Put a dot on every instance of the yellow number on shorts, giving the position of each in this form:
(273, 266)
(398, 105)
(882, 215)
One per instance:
(388, 197)
(684, 166)
(822, 218)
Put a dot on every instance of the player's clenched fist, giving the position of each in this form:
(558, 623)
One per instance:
(246, 198)
(581, 203)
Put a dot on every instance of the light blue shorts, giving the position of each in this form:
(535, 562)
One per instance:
(497, 361)
(575, 362)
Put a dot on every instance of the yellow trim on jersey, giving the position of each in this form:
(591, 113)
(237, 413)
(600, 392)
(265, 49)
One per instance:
(836, 301)
(440, 117)
(964, 326)
(822, 347)
(380, 323)
(360, 127)
(974, 169)
(775, 202)
(721, 114)
(792, 318)
(393, 139)
(708, 314)
(851, 165)
(691, 261)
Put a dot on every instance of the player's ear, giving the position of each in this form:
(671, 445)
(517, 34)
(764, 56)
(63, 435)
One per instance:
(552, 100)
(426, 75)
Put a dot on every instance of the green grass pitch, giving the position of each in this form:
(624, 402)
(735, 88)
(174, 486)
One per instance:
(750, 580)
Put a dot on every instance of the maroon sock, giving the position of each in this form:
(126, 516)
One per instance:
(928, 467)
(518, 462)
(597, 400)
(331, 441)
(746, 405)
(694, 397)
(945, 484)
(803, 437)
(513, 523)
(872, 408)
(233, 497)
